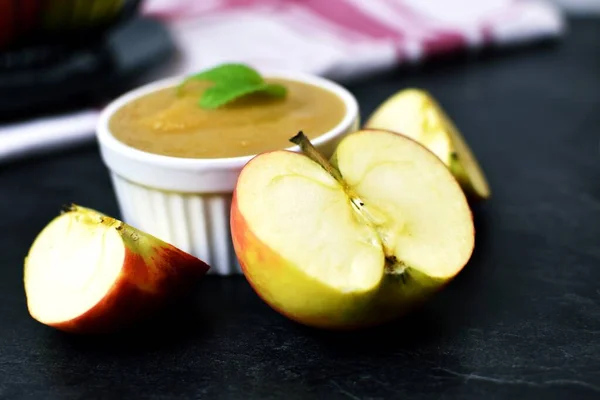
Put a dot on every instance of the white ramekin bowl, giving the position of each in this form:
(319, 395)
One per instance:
(186, 201)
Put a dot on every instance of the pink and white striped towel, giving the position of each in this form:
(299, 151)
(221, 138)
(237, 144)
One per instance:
(344, 39)
(340, 39)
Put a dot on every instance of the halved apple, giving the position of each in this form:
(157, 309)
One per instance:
(89, 273)
(355, 243)
(414, 113)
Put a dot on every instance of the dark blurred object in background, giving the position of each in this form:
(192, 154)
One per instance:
(91, 44)
(26, 22)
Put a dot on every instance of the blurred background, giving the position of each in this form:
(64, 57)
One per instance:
(61, 61)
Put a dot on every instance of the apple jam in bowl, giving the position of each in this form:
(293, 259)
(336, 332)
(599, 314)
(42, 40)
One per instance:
(174, 164)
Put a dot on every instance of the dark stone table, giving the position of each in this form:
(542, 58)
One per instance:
(521, 321)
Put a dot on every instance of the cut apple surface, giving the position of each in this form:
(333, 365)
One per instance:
(414, 113)
(354, 243)
(87, 272)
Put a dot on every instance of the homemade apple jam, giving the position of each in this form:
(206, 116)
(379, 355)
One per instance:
(170, 122)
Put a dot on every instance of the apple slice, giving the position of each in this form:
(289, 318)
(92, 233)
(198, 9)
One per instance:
(352, 244)
(89, 273)
(414, 113)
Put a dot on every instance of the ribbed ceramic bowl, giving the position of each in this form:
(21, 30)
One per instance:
(186, 201)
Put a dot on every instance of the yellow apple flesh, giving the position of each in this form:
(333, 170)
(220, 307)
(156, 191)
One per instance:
(354, 244)
(90, 273)
(414, 113)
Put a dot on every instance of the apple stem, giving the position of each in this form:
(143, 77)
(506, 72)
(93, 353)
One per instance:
(311, 152)
(66, 208)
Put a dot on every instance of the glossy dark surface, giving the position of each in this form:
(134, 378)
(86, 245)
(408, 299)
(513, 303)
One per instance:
(521, 321)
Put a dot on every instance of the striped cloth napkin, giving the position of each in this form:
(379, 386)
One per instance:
(339, 39)
(343, 39)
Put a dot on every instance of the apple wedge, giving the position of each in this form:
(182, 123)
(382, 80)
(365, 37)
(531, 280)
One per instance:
(89, 273)
(355, 242)
(414, 113)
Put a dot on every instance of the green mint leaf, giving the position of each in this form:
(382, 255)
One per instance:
(227, 73)
(275, 89)
(232, 81)
(219, 95)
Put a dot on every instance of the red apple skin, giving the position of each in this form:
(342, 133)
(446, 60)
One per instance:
(154, 274)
